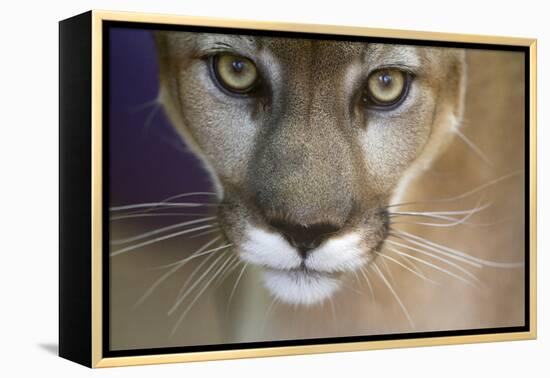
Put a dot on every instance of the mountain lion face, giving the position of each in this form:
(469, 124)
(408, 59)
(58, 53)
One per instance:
(308, 143)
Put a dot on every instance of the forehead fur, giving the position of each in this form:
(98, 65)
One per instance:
(310, 111)
(288, 49)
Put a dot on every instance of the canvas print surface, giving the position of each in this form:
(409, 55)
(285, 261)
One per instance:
(274, 188)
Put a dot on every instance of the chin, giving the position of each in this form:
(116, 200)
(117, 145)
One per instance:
(300, 286)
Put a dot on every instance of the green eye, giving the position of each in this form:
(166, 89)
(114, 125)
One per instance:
(386, 87)
(235, 73)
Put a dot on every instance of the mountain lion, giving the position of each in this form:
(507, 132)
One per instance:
(344, 167)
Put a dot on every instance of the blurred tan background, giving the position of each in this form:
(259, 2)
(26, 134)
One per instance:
(494, 123)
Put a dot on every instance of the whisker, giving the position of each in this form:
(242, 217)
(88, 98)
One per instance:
(356, 275)
(468, 224)
(364, 271)
(207, 232)
(234, 264)
(460, 196)
(388, 270)
(434, 249)
(436, 213)
(405, 311)
(162, 204)
(160, 231)
(195, 284)
(456, 266)
(150, 117)
(196, 298)
(233, 291)
(201, 253)
(443, 214)
(145, 105)
(456, 252)
(473, 147)
(436, 267)
(413, 265)
(146, 215)
(178, 266)
(406, 267)
(169, 199)
(351, 288)
(193, 274)
(188, 194)
(457, 222)
(156, 240)
(399, 214)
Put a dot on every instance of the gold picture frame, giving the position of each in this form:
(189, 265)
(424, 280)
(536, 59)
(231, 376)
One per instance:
(90, 265)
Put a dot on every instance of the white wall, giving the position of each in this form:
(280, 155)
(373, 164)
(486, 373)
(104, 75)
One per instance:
(28, 158)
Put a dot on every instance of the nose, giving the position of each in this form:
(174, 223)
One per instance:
(305, 238)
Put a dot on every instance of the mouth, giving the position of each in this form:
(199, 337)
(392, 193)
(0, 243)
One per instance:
(293, 278)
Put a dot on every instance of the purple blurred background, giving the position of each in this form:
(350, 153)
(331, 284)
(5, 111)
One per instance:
(148, 160)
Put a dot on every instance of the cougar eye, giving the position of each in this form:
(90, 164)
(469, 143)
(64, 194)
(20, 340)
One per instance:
(386, 87)
(235, 73)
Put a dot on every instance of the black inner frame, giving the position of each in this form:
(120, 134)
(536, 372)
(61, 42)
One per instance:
(107, 25)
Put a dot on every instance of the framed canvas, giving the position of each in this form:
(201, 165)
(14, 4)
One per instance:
(236, 189)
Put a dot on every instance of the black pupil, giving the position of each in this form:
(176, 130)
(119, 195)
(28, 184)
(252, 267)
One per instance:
(238, 66)
(385, 79)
